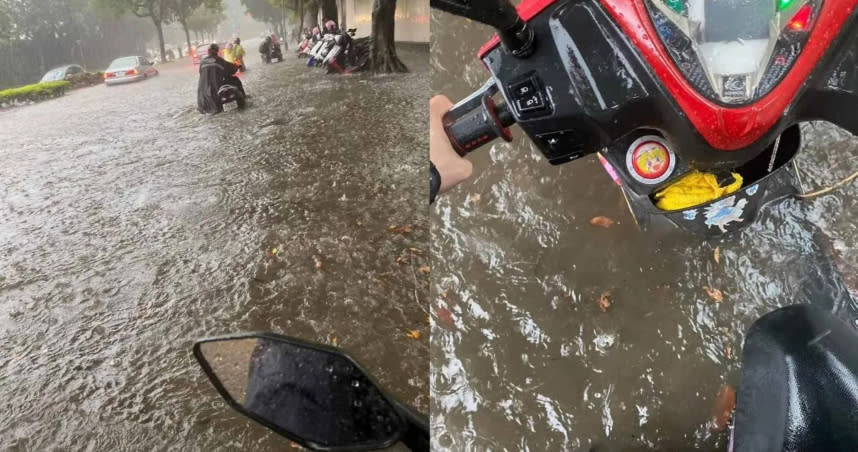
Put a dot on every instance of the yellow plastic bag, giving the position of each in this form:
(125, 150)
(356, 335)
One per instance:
(693, 189)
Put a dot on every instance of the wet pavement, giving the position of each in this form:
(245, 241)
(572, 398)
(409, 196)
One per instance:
(523, 357)
(132, 225)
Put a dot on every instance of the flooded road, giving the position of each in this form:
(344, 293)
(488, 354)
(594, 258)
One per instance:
(130, 226)
(523, 359)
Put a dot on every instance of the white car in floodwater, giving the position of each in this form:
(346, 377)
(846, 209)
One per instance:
(129, 69)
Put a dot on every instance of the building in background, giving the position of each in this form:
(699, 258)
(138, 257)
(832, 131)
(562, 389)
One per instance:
(412, 19)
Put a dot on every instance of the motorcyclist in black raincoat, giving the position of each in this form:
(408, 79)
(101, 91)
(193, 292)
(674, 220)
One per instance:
(214, 73)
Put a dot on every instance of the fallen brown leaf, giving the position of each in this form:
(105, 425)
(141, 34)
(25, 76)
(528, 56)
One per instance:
(605, 301)
(360, 223)
(335, 340)
(444, 293)
(415, 250)
(413, 334)
(722, 411)
(319, 265)
(602, 222)
(717, 254)
(714, 294)
(425, 269)
(401, 229)
(475, 198)
(400, 260)
(445, 317)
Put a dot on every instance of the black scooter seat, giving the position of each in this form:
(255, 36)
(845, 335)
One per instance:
(799, 384)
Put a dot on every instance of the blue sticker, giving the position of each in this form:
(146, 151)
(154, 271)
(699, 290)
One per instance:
(689, 215)
(724, 212)
(752, 190)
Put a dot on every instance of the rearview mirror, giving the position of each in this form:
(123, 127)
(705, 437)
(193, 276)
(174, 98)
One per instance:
(314, 395)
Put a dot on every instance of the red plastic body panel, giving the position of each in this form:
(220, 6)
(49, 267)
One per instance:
(725, 128)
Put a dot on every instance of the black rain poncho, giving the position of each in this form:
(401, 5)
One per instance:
(214, 72)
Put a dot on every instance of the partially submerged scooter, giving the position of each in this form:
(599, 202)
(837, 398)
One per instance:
(340, 59)
(667, 91)
(231, 98)
(314, 395)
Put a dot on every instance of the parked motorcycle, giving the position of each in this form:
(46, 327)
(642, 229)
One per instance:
(662, 89)
(340, 59)
(321, 49)
(314, 395)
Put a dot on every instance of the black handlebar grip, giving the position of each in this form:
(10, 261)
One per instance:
(477, 127)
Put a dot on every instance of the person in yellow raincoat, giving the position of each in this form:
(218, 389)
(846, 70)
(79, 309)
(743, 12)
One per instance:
(238, 54)
(228, 53)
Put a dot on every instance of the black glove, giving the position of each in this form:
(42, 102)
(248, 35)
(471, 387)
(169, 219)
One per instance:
(434, 182)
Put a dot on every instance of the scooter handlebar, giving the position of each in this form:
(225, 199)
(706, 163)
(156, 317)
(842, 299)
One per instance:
(477, 120)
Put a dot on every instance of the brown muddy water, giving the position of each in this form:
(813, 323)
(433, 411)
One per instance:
(130, 226)
(523, 359)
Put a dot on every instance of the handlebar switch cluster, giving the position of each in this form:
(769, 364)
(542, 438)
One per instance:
(562, 146)
(528, 97)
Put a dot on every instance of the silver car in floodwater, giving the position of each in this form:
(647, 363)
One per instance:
(129, 69)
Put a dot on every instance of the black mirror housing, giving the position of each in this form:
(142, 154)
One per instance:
(314, 395)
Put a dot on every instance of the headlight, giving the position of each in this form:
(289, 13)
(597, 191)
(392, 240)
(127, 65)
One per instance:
(733, 51)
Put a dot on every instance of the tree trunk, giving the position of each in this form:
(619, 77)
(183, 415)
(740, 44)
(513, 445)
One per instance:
(301, 16)
(160, 28)
(329, 10)
(187, 33)
(382, 49)
(312, 15)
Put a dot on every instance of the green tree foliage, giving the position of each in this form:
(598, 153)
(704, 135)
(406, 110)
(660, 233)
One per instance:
(204, 21)
(208, 10)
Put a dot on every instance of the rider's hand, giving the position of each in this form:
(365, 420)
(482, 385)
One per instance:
(452, 168)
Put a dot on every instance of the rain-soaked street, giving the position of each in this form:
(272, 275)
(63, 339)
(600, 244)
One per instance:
(525, 360)
(131, 225)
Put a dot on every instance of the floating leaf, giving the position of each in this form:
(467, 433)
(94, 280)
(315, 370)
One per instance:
(413, 334)
(714, 294)
(425, 269)
(605, 301)
(445, 317)
(602, 222)
(717, 254)
(725, 403)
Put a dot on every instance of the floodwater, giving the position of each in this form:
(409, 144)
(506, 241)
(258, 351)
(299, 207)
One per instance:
(522, 356)
(131, 226)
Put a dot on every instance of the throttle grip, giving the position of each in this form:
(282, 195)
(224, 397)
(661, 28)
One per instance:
(477, 121)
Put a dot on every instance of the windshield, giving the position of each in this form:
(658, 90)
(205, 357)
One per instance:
(123, 62)
(54, 75)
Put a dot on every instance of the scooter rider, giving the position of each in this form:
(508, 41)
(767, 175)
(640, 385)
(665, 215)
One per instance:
(265, 49)
(238, 54)
(214, 73)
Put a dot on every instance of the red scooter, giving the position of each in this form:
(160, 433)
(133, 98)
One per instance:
(661, 88)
